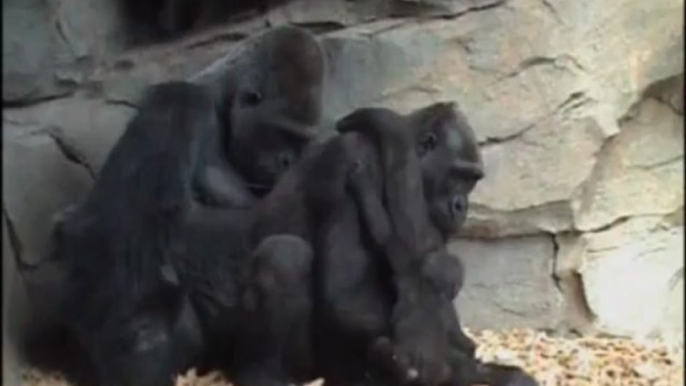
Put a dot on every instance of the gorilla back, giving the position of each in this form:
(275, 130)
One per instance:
(123, 298)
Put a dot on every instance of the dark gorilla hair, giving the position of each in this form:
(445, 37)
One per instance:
(130, 291)
(123, 298)
(326, 199)
(339, 189)
(154, 20)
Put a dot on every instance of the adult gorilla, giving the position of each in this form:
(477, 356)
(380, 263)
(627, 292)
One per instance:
(435, 159)
(129, 294)
(326, 201)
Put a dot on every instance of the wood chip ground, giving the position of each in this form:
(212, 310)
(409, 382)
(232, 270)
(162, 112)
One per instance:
(552, 361)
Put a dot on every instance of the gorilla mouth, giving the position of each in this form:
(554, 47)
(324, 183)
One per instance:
(451, 213)
(259, 189)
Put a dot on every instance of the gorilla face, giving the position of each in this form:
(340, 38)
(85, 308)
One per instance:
(270, 128)
(274, 105)
(267, 151)
(451, 163)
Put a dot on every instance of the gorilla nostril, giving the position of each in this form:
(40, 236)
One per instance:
(459, 204)
(285, 160)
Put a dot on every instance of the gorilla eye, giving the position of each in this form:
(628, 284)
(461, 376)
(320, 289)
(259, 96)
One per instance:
(427, 143)
(285, 159)
(251, 98)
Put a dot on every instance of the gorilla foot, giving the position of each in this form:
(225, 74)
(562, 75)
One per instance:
(508, 375)
(396, 363)
(470, 371)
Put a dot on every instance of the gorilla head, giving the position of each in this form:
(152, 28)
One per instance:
(272, 102)
(451, 162)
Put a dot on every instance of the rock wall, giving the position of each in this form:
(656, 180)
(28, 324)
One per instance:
(578, 107)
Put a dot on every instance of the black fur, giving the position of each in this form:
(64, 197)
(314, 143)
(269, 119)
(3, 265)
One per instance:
(428, 345)
(153, 20)
(144, 253)
(351, 288)
(124, 300)
(334, 200)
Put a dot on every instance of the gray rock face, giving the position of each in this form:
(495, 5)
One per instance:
(50, 46)
(508, 283)
(33, 53)
(42, 182)
(443, 8)
(629, 274)
(14, 311)
(88, 127)
(641, 170)
(362, 69)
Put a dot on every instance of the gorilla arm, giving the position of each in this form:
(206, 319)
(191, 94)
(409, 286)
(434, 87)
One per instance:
(222, 186)
(405, 210)
(216, 182)
(361, 186)
(421, 318)
(424, 299)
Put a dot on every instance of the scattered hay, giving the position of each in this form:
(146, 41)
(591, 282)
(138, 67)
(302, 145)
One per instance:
(552, 361)
(36, 378)
(590, 361)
